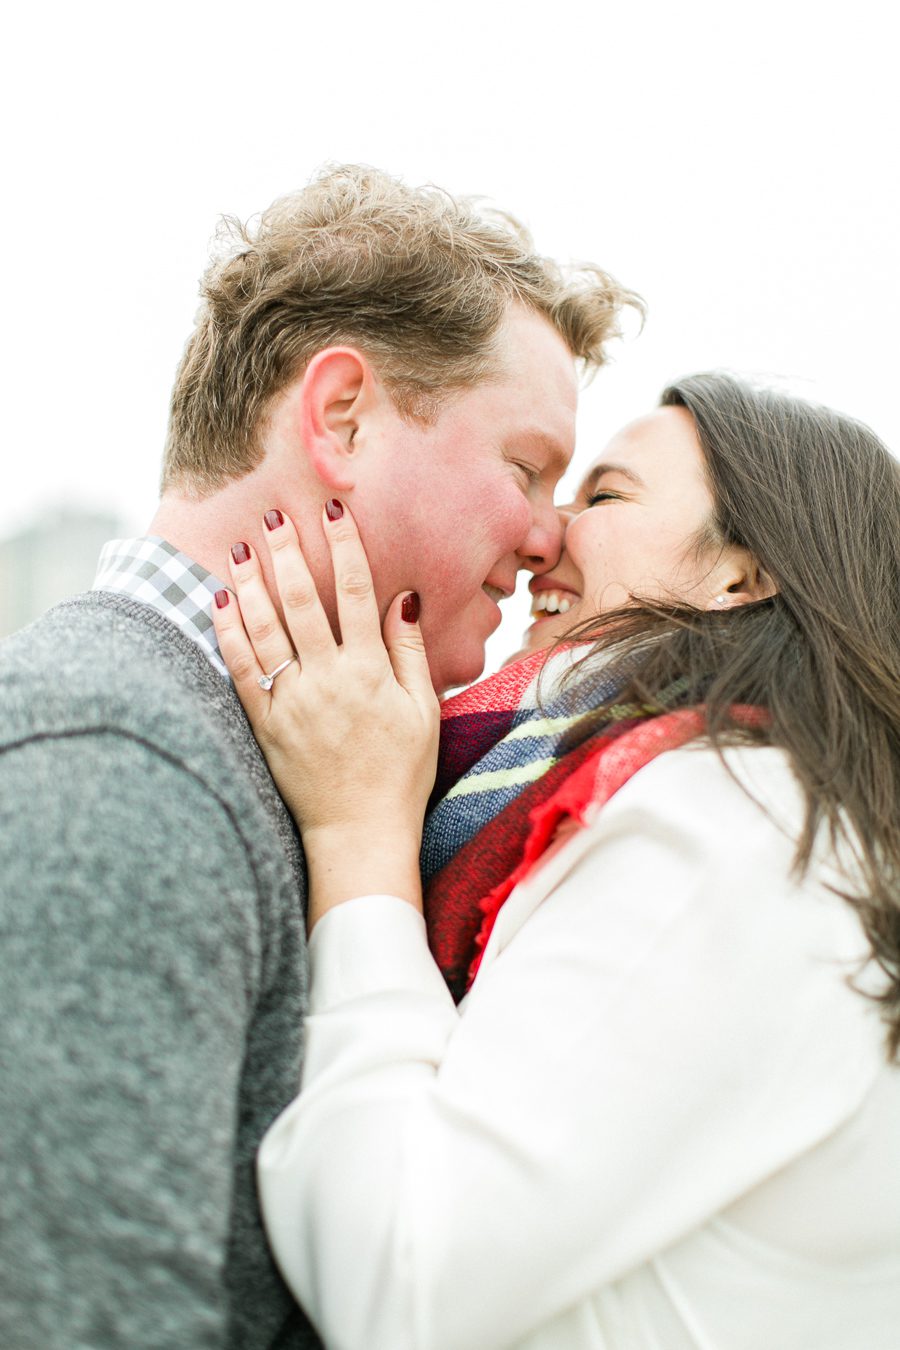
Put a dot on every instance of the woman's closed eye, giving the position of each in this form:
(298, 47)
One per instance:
(605, 496)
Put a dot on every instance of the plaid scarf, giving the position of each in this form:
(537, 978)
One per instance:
(509, 770)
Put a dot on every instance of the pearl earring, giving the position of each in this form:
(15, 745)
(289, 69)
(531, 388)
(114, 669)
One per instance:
(720, 599)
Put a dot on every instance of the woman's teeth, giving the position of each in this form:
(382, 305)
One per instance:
(551, 602)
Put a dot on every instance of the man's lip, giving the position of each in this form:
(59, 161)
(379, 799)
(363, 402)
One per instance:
(494, 592)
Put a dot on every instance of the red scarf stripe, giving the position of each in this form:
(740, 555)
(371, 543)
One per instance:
(502, 692)
(453, 897)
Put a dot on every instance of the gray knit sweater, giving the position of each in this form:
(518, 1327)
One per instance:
(152, 988)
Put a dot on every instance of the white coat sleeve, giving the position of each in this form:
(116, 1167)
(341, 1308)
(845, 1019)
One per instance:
(670, 1027)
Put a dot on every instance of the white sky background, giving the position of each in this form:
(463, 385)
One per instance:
(736, 163)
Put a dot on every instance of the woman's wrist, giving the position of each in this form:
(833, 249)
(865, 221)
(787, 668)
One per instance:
(345, 862)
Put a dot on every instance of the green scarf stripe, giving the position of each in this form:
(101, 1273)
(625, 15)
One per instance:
(501, 778)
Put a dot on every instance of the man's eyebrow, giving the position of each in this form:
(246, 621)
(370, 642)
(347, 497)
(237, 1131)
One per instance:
(599, 470)
(544, 441)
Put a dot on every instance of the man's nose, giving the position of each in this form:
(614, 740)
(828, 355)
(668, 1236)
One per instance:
(541, 549)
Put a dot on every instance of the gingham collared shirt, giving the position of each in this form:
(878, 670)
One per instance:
(154, 572)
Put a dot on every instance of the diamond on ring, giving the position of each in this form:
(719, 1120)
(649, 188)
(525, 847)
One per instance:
(266, 681)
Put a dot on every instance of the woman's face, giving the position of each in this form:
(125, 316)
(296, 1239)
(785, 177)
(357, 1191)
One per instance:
(630, 530)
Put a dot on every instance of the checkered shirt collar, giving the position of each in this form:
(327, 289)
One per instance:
(154, 572)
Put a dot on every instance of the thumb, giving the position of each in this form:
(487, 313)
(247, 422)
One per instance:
(403, 639)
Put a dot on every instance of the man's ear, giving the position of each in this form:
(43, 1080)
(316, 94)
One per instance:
(738, 579)
(337, 391)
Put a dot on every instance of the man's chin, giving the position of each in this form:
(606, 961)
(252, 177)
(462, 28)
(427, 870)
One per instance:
(456, 670)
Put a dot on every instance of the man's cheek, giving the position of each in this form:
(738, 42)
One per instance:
(503, 524)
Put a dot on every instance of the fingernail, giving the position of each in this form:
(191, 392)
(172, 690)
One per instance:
(240, 553)
(221, 599)
(273, 519)
(333, 509)
(409, 610)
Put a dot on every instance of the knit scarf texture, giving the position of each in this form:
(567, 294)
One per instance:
(511, 768)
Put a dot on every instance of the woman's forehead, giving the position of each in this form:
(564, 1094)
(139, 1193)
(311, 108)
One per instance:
(654, 440)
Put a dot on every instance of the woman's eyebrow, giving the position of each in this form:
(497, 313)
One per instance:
(599, 470)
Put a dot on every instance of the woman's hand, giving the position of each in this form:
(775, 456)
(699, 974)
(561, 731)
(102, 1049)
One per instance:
(349, 731)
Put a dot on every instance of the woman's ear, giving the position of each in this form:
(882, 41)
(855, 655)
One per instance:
(335, 395)
(738, 579)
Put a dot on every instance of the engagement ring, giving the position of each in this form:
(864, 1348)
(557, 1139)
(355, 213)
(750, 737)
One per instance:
(266, 681)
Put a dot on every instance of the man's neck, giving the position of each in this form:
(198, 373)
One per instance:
(201, 528)
(204, 528)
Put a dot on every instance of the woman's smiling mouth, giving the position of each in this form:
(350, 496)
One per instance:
(544, 604)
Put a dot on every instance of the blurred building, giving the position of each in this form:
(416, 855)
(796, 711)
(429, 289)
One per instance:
(53, 558)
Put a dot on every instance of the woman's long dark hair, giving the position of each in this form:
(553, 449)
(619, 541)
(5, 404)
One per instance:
(815, 497)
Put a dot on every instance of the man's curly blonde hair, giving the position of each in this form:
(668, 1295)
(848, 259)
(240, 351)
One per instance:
(416, 280)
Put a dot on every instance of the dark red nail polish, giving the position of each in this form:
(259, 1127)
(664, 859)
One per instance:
(409, 610)
(333, 509)
(221, 599)
(240, 553)
(273, 519)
